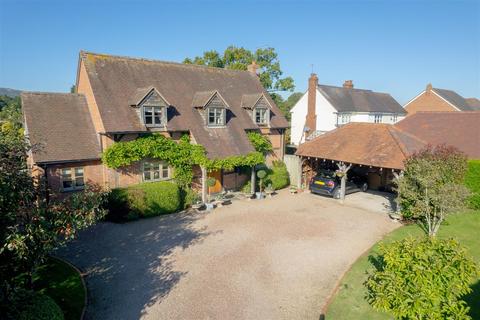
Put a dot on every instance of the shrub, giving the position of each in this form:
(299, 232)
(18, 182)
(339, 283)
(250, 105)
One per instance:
(28, 305)
(472, 181)
(144, 200)
(421, 279)
(278, 176)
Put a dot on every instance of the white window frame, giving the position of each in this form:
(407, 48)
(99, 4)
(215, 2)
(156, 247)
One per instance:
(74, 175)
(157, 171)
(394, 118)
(156, 112)
(257, 115)
(377, 118)
(218, 116)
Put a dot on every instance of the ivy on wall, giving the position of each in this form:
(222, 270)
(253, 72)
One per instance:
(182, 155)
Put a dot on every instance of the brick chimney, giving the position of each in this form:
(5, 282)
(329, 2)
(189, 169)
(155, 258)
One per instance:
(253, 67)
(429, 87)
(311, 120)
(348, 84)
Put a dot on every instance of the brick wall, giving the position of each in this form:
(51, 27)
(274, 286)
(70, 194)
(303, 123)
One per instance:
(92, 173)
(428, 101)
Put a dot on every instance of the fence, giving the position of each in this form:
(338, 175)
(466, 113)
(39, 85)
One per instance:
(294, 168)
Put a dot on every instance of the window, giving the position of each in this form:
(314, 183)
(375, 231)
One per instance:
(378, 118)
(345, 118)
(394, 118)
(152, 116)
(72, 179)
(216, 116)
(155, 171)
(261, 116)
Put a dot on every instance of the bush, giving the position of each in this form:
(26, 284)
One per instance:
(472, 181)
(29, 305)
(421, 279)
(278, 176)
(144, 200)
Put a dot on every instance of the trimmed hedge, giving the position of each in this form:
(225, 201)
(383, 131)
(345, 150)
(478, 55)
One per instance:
(472, 181)
(28, 305)
(278, 176)
(144, 200)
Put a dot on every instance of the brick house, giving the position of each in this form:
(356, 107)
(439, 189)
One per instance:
(121, 98)
(434, 99)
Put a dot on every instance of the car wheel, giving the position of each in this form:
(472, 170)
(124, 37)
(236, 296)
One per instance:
(336, 194)
(364, 187)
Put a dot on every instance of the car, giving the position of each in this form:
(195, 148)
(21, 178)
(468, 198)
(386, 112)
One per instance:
(326, 182)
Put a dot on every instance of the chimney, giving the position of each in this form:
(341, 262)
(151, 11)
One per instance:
(252, 67)
(429, 87)
(311, 120)
(348, 84)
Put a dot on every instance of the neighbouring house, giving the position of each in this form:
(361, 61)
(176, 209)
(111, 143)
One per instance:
(121, 98)
(434, 99)
(379, 150)
(324, 108)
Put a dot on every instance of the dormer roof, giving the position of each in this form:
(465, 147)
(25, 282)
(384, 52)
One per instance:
(203, 98)
(141, 94)
(249, 101)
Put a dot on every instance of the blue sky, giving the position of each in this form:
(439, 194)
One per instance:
(388, 46)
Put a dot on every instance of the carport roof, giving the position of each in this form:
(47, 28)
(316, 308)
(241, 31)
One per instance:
(371, 144)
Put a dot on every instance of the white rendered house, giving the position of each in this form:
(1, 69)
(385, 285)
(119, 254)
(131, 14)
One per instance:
(323, 108)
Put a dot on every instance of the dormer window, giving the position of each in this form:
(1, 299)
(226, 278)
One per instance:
(216, 116)
(258, 106)
(151, 107)
(153, 116)
(212, 107)
(261, 116)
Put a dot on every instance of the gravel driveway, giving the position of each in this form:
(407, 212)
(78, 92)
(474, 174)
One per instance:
(279, 258)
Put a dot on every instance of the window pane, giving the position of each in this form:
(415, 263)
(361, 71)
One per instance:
(78, 172)
(148, 116)
(158, 115)
(147, 176)
(66, 173)
(156, 175)
(165, 172)
(67, 184)
(79, 182)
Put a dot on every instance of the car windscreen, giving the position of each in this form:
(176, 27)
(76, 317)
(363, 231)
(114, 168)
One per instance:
(326, 174)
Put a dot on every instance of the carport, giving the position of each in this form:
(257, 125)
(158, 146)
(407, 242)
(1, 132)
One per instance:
(375, 150)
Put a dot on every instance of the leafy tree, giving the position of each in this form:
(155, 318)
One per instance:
(10, 110)
(421, 279)
(286, 105)
(238, 58)
(432, 186)
(30, 226)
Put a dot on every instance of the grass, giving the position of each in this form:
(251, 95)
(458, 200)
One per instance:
(63, 284)
(350, 303)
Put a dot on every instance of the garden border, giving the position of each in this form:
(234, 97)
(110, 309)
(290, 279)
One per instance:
(85, 300)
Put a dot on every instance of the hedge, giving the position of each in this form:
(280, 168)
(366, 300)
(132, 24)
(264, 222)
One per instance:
(28, 305)
(144, 200)
(472, 181)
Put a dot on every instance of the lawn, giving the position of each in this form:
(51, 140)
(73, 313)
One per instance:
(350, 303)
(63, 284)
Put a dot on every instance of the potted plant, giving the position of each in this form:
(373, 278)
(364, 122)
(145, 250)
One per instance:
(261, 174)
(269, 190)
(210, 184)
(293, 189)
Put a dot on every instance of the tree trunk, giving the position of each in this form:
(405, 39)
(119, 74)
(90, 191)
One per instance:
(343, 168)
(252, 181)
(204, 184)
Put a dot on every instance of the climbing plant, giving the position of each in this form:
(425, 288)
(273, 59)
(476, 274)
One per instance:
(182, 156)
(260, 142)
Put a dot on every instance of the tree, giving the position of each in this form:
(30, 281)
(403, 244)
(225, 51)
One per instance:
(431, 186)
(30, 226)
(342, 173)
(286, 105)
(10, 110)
(421, 279)
(238, 58)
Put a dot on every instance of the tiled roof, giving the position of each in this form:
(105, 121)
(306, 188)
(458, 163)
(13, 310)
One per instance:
(359, 100)
(115, 80)
(61, 124)
(458, 129)
(457, 100)
(372, 144)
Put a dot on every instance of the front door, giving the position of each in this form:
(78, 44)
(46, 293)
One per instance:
(218, 181)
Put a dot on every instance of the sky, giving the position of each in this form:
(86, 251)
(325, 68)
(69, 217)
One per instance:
(387, 46)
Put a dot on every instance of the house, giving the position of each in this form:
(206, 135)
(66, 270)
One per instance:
(379, 150)
(324, 108)
(121, 98)
(434, 99)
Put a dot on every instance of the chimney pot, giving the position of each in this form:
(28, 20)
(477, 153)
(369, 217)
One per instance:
(253, 67)
(348, 84)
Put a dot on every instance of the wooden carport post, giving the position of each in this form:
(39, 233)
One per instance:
(343, 168)
(204, 184)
